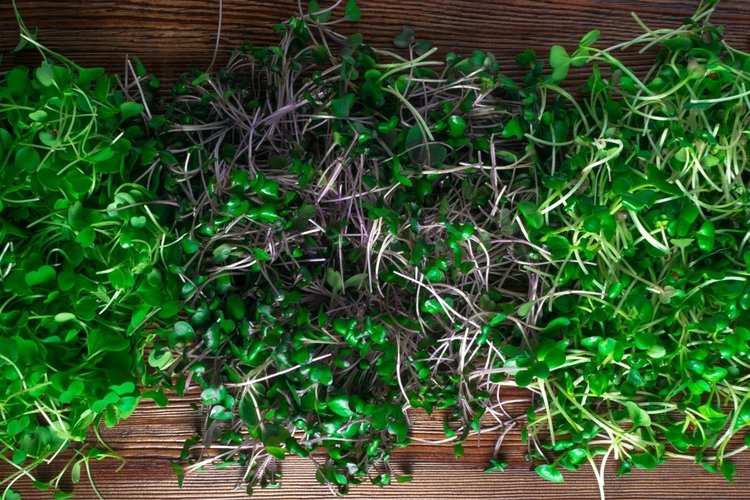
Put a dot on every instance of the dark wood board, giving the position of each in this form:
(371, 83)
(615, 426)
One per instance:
(172, 36)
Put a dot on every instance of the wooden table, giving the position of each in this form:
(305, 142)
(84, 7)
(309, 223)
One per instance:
(175, 35)
(153, 437)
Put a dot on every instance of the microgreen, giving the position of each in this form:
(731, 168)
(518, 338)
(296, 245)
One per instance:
(323, 235)
(348, 248)
(80, 253)
(643, 205)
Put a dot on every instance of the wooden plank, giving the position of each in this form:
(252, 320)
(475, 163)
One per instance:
(175, 35)
(153, 437)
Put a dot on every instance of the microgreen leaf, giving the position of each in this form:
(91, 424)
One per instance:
(340, 406)
(341, 106)
(496, 466)
(638, 415)
(45, 74)
(559, 60)
(513, 129)
(550, 473)
(590, 38)
(352, 10)
(321, 373)
(404, 38)
(129, 108)
(44, 274)
(530, 214)
(706, 236)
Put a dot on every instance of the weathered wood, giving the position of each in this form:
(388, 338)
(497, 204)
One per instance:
(172, 36)
(153, 437)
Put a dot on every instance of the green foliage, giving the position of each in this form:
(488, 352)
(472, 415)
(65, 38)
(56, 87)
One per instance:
(322, 235)
(550, 473)
(335, 253)
(81, 256)
(643, 205)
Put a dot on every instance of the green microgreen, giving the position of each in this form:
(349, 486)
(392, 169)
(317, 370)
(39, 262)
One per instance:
(323, 237)
(643, 206)
(81, 253)
(349, 251)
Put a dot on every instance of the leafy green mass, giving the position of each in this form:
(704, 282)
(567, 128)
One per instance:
(323, 237)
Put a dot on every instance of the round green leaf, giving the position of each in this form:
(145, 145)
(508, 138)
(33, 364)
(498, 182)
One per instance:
(27, 159)
(45, 274)
(183, 332)
(340, 406)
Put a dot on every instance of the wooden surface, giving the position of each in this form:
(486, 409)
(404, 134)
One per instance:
(171, 36)
(153, 437)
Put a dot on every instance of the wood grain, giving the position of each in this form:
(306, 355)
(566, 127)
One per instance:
(172, 36)
(153, 437)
